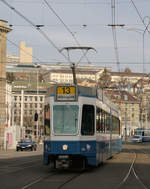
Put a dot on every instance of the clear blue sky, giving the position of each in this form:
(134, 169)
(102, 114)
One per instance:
(88, 21)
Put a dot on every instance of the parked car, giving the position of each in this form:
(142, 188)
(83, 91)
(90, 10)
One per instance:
(137, 138)
(26, 144)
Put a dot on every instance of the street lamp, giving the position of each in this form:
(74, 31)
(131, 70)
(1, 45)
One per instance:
(146, 29)
(125, 120)
(140, 31)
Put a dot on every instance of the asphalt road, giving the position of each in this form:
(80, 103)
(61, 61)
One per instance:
(128, 169)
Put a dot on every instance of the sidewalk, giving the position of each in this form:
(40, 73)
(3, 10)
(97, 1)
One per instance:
(7, 151)
(12, 153)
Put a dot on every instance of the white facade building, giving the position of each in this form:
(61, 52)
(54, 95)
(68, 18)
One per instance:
(66, 76)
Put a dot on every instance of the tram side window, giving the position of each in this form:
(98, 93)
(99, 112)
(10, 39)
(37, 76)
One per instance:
(100, 120)
(115, 125)
(107, 128)
(88, 116)
(47, 119)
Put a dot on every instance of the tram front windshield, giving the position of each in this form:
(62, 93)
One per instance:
(65, 119)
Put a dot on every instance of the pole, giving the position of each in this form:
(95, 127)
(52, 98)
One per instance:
(110, 142)
(37, 123)
(146, 29)
(125, 120)
(74, 74)
(22, 113)
(146, 108)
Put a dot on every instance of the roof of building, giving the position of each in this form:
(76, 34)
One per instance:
(129, 74)
(77, 71)
(121, 96)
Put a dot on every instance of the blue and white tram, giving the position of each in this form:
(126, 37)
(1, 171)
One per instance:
(81, 129)
(143, 134)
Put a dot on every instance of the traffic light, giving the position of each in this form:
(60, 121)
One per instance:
(36, 116)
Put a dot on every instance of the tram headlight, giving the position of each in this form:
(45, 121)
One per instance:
(65, 147)
(85, 148)
(47, 147)
(88, 147)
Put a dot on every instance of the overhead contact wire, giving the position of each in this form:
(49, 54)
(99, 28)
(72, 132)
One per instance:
(68, 29)
(35, 26)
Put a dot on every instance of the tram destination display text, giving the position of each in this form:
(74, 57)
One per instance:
(65, 93)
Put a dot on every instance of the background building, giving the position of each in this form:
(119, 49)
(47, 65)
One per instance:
(66, 76)
(3, 36)
(129, 108)
(27, 101)
(25, 54)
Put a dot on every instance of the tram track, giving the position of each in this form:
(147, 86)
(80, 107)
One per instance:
(36, 181)
(53, 177)
(132, 169)
(56, 177)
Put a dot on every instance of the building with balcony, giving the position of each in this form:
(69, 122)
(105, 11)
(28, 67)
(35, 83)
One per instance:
(27, 102)
(129, 108)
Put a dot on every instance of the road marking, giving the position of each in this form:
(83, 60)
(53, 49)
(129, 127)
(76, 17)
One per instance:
(30, 184)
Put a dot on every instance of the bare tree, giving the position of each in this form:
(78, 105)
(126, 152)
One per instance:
(10, 77)
(104, 80)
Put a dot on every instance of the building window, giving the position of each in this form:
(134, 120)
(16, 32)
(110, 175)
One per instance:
(25, 98)
(30, 98)
(30, 105)
(35, 98)
(15, 119)
(41, 98)
(20, 98)
(15, 98)
(35, 105)
(125, 97)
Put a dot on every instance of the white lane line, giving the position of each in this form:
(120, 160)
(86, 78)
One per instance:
(34, 182)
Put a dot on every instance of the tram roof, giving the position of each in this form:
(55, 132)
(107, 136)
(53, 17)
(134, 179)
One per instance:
(87, 92)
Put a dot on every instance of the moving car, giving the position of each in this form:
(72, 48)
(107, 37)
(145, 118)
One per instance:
(26, 144)
(136, 138)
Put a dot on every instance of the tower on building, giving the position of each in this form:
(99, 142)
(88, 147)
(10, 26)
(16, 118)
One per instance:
(25, 53)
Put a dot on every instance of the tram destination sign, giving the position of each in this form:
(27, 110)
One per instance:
(65, 93)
